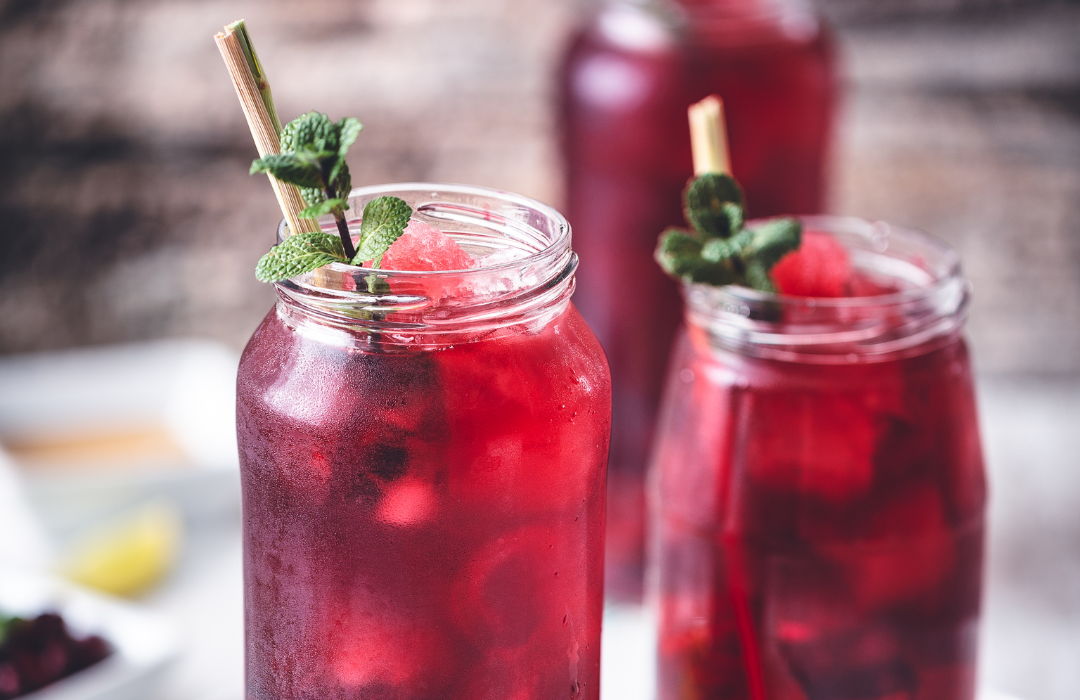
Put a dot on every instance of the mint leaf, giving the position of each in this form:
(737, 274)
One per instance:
(326, 206)
(341, 180)
(714, 205)
(757, 277)
(735, 215)
(311, 130)
(322, 145)
(289, 167)
(773, 240)
(299, 253)
(385, 219)
(680, 254)
(719, 249)
(349, 130)
(313, 150)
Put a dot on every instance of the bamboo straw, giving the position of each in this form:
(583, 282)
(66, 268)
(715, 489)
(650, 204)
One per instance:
(255, 66)
(709, 144)
(264, 127)
(708, 137)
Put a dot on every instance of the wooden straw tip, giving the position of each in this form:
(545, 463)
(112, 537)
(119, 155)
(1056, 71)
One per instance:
(710, 105)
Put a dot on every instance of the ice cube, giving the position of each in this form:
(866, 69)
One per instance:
(860, 662)
(523, 435)
(407, 502)
(369, 640)
(425, 248)
(909, 550)
(519, 588)
(821, 445)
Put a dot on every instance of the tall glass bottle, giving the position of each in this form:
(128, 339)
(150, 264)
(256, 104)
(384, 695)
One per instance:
(625, 87)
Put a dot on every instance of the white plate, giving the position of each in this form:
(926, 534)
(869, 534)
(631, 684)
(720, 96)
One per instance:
(181, 391)
(143, 643)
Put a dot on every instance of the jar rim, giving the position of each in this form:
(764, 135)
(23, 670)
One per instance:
(361, 195)
(443, 306)
(928, 306)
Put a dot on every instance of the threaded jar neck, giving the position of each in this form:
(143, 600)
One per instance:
(925, 307)
(524, 275)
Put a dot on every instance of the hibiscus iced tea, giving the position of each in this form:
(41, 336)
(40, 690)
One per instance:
(818, 488)
(424, 471)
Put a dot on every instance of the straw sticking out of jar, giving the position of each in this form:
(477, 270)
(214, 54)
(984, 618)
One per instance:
(709, 143)
(708, 137)
(253, 89)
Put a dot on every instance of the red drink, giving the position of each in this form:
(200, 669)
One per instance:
(819, 488)
(423, 473)
(625, 88)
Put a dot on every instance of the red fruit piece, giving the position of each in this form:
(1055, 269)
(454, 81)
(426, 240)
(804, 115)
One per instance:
(821, 445)
(427, 249)
(819, 268)
(366, 641)
(909, 549)
(497, 393)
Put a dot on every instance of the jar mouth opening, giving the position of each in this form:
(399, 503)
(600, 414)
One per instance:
(481, 220)
(918, 264)
(926, 302)
(527, 279)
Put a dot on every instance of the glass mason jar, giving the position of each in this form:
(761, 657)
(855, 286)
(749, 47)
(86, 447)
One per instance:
(624, 89)
(817, 490)
(423, 470)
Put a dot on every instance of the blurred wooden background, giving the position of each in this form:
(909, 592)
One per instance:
(127, 212)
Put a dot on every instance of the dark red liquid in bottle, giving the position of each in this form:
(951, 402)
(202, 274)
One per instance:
(625, 88)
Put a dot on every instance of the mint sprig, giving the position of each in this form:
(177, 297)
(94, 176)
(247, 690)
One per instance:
(385, 219)
(718, 248)
(313, 150)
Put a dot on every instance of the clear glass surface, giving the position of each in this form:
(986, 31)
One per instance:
(817, 487)
(423, 470)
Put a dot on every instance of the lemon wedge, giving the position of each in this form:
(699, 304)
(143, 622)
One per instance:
(130, 554)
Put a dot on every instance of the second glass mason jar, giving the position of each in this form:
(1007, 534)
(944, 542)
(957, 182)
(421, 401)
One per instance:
(423, 470)
(624, 89)
(817, 487)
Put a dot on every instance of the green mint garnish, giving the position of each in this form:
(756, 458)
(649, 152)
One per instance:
(312, 157)
(718, 249)
(385, 219)
(299, 253)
